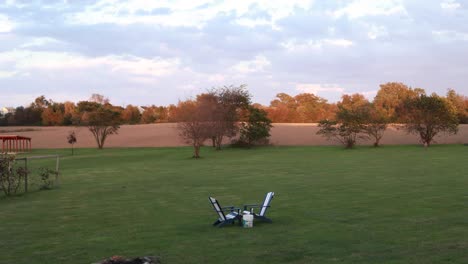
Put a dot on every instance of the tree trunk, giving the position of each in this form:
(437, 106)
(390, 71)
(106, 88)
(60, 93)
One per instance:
(376, 143)
(196, 151)
(219, 141)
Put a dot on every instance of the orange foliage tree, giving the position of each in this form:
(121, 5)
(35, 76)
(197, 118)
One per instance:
(302, 108)
(131, 115)
(193, 123)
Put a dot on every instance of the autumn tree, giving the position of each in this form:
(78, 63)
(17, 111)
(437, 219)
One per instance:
(312, 108)
(71, 139)
(99, 98)
(428, 116)
(213, 116)
(101, 120)
(256, 129)
(283, 109)
(302, 108)
(31, 115)
(53, 114)
(224, 105)
(153, 114)
(460, 103)
(350, 121)
(376, 123)
(391, 97)
(102, 123)
(70, 113)
(131, 115)
(194, 129)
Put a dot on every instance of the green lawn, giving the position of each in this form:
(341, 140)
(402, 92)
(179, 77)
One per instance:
(395, 204)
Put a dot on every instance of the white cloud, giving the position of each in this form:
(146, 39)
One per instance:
(363, 8)
(186, 13)
(338, 42)
(251, 23)
(315, 88)
(13, 3)
(376, 32)
(450, 5)
(293, 45)
(369, 94)
(24, 60)
(217, 78)
(41, 41)
(450, 35)
(23, 98)
(6, 25)
(7, 74)
(258, 64)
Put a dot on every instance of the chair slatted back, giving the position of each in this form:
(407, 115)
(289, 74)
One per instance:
(218, 209)
(266, 203)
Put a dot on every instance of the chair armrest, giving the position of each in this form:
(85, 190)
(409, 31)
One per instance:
(232, 208)
(251, 206)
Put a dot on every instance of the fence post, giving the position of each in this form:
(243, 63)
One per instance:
(57, 172)
(27, 174)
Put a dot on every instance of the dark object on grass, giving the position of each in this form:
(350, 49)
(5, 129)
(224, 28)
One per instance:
(139, 260)
(223, 218)
(263, 208)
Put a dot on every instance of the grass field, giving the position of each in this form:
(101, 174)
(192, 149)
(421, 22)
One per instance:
(395, 204)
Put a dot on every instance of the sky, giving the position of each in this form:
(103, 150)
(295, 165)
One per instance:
(146, 52)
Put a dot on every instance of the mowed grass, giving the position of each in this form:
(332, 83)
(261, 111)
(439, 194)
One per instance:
(395, 204)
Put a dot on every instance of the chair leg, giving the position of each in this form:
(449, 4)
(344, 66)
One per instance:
(216, 223)
(263, 218)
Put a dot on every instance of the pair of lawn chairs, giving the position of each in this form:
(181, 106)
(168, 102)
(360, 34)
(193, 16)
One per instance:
(234, 212)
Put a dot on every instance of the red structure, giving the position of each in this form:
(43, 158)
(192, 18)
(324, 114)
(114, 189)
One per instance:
(13, 143)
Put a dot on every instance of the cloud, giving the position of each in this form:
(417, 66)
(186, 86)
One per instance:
(376, 32)
(258, 64)
(166, 49)
(41, 41)
(450, 35)
(184, 13)
(6, 25)
(315, 88)
(7, 74)
(294, 45)
(370, 94)
(450, 5)
(363, 8)
(12, 3)
(254, 22)
(24, 60)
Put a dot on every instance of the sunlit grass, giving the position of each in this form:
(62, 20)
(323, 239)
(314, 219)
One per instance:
(398, 204)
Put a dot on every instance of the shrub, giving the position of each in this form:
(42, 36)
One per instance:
(11, 175)
(45, 173)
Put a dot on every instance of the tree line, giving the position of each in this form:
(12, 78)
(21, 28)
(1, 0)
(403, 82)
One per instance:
(418, 113)
(301, 108)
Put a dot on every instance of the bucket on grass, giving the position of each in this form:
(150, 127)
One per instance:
(247, 220)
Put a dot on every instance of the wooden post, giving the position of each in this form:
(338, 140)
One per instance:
(26, 178)
(57, 172)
